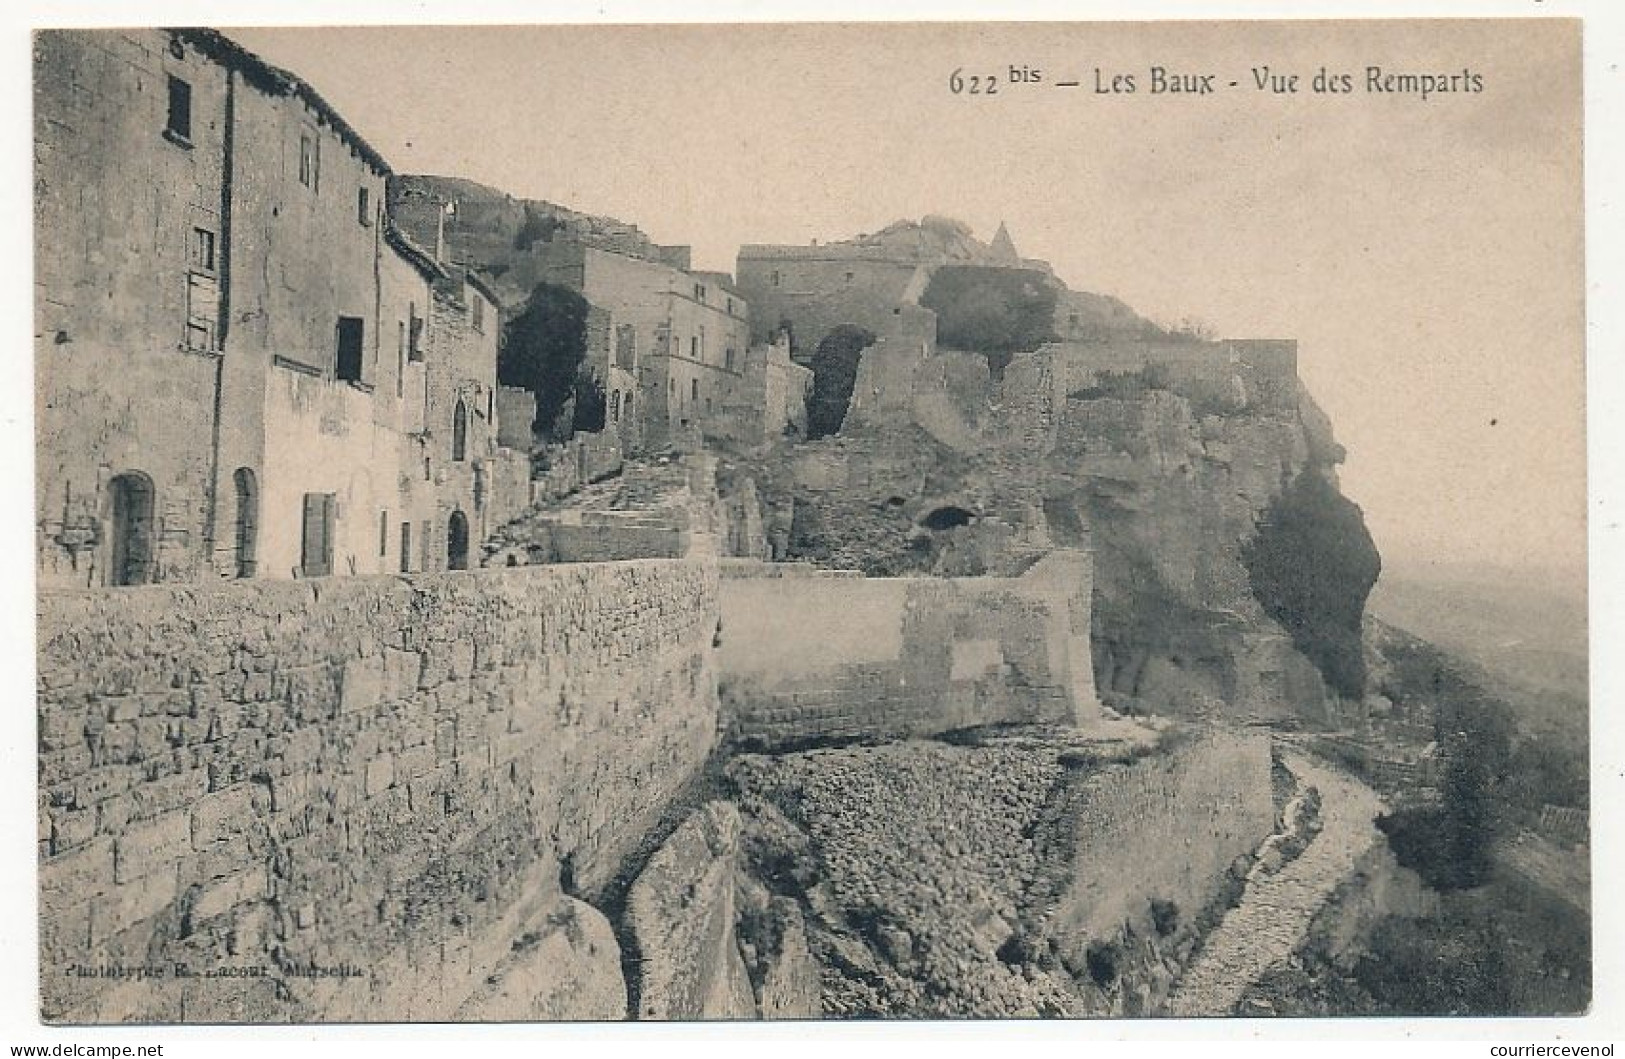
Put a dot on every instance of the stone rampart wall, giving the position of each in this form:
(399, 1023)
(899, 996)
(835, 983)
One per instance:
(377, 775)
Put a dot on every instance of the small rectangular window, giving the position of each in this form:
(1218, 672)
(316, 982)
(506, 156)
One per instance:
(626, 346)
(199, 336)
(414, 335)
(383, 534)
(202, 250)
(776, 277)
(694, 389)
(477, 308)
(400, 361)
(309, 161)
(180, 110)
(363, 206)
(406, 547)
(349, 337)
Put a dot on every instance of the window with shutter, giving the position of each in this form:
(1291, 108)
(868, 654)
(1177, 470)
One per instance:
(316, 551)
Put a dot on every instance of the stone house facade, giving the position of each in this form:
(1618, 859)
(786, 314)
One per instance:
(680, 335)
(235, 349)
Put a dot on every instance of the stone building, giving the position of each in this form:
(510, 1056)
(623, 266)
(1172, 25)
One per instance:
(681, 335)
(811, 290)
(450, 449)
(230, 334)
(873, 282)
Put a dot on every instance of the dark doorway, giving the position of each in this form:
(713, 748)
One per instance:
(457, 541)
(835, 372)
(131, 560)
(248, 520)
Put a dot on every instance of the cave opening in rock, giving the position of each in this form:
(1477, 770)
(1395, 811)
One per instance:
(947, 517)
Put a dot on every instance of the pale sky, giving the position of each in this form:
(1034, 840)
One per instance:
(1426, 254)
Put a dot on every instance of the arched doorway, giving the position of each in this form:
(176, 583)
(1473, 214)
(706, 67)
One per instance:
(457, 541)
(130, 561)
(835, 373)
(248, 520)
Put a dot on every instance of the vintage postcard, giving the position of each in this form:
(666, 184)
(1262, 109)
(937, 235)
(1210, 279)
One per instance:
(810, 521)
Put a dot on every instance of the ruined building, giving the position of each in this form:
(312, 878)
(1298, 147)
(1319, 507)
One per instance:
(243, 369)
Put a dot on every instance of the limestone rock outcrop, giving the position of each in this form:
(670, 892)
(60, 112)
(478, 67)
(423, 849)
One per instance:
(565, 966)
(680, 915)
(1169, 459)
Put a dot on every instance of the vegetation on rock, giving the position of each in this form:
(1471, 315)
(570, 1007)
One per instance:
(996, 311)
(544, 350)
(1311, 567)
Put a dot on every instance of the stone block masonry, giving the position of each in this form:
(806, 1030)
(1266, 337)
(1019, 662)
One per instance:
(347, 799)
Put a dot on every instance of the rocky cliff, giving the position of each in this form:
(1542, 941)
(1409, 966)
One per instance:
(1231, 573)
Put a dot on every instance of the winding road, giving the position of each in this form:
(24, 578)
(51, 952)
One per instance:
(1275, 910)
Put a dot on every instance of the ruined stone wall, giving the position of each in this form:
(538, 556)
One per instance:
(900, 380)
(812, 658)
(570, 465)
(767, 399)
(516, 411)
(362, 773)
(818, 288)
(1164, 827)
(1223, 377)
(509, 473)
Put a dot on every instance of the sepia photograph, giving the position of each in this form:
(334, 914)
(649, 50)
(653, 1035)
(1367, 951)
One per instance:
(810, 521)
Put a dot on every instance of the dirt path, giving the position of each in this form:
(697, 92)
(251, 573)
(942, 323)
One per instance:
(1273, 916)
